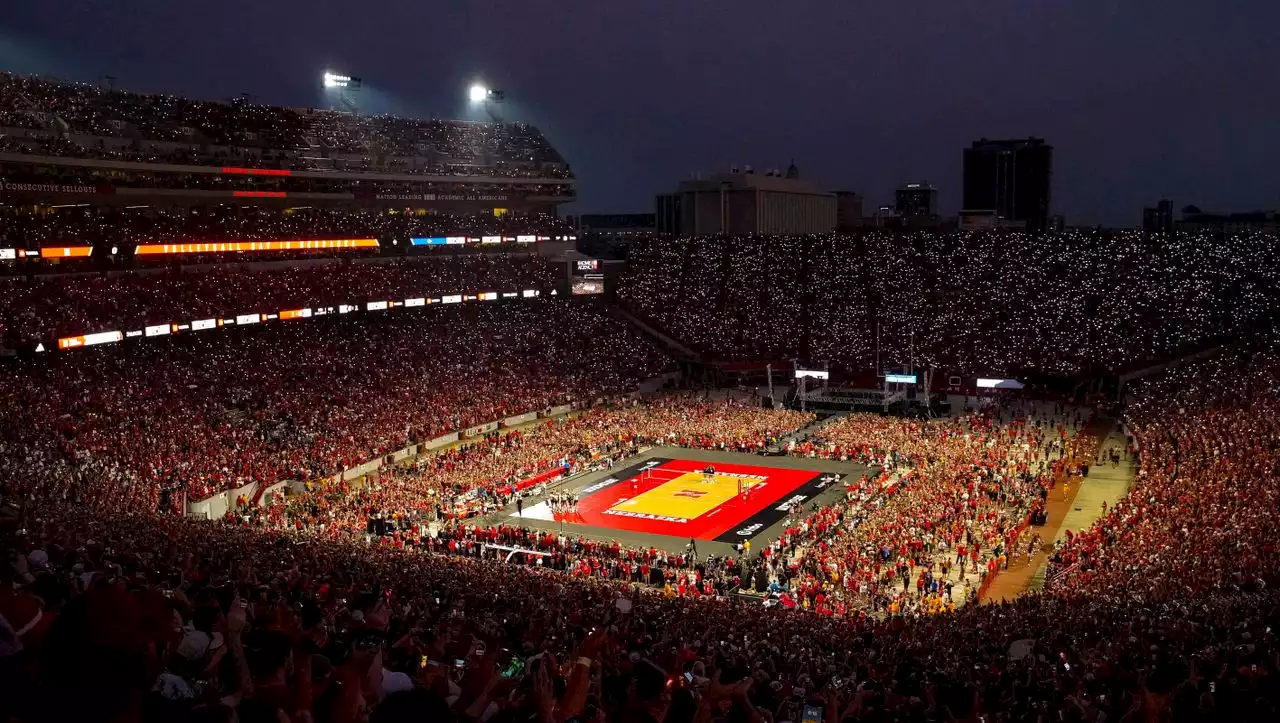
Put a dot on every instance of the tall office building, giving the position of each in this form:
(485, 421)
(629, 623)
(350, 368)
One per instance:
(916, 200)
(1160, 218)
(848, 211)
(1011, 178)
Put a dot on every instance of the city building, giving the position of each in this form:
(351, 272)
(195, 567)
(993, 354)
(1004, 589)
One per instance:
(617, 225)
(1193, 219)
(1012, 178)
(741, 202)
(885, 216)
(986, 220)
(916, 200)
(848, 211)
(1158, 219)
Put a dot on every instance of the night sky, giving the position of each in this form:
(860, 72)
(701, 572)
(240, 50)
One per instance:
(1141, 98)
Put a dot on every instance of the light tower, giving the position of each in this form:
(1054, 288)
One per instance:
(342, 89)
(491, 99)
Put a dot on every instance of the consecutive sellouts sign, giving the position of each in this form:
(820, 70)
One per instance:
(243, 246)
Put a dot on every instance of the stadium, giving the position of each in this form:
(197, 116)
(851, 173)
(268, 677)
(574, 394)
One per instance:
(310, 413)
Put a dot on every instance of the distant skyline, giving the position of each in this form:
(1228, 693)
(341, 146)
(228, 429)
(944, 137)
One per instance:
(1141, 100)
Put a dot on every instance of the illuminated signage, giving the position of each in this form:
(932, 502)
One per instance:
(288, 314)
(455, 240)
(812, 373)
(63, 252)
(102, 337)
(490, 239)
(900, 378)
(8, 254)
(433, 241)
(250, 246)
(998, 384)
(526, 239)
(258, 171)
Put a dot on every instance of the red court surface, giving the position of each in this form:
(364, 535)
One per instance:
(670, 497)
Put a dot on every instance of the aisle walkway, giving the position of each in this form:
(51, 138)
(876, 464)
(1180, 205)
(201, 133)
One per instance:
(1075, 510)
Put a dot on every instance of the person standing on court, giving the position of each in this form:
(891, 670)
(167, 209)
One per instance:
(520, 507)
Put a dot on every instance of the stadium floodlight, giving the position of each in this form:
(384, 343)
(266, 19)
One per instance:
(334, 80)
(478, 93)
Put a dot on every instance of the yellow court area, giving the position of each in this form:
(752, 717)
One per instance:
(687, 496)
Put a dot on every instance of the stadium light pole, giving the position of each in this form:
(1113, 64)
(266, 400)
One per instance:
(344, 86)
(482, 95)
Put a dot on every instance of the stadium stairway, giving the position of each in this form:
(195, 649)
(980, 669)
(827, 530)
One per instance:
(807, 430)
(666, 343)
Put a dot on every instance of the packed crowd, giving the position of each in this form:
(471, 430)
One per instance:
(980, 302)
(960, 489)
(143, 617)
(1199, 519)
(22, 227)
(187, 417)
(81, 120)
(44, 307)
(490, 473)
(80, 180)
(948, 510)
